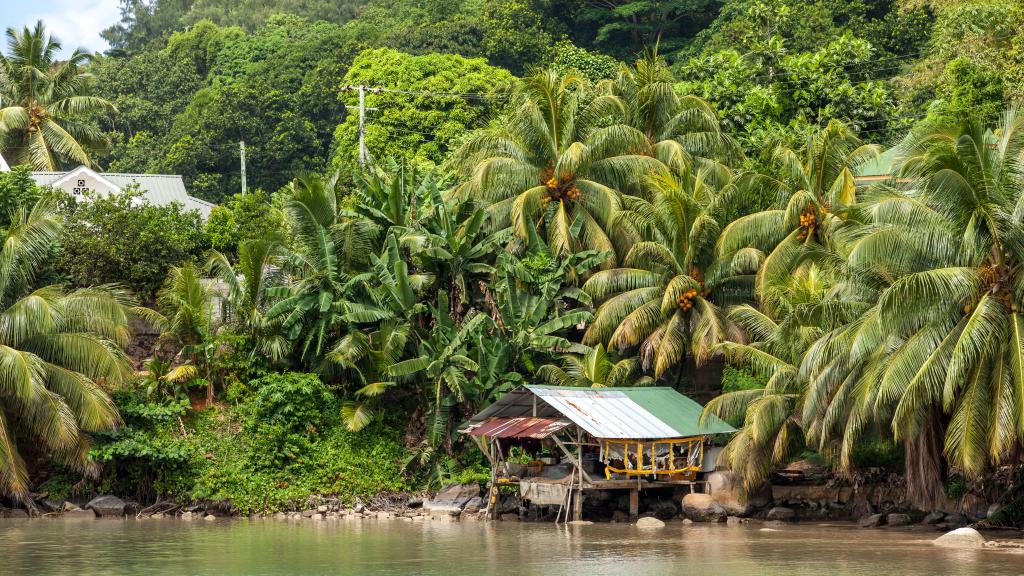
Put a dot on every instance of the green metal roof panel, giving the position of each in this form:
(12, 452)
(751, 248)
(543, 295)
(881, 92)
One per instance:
(680, 412)
(642, 412)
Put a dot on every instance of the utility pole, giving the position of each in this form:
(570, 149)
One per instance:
(362, 125)
(241, 151)
(363, 154)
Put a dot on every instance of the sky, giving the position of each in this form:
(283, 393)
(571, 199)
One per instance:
(76, 23)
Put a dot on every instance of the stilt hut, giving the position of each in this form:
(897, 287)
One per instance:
(556, 443)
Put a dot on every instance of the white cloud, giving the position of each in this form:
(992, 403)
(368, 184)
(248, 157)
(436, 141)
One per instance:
(77, 23)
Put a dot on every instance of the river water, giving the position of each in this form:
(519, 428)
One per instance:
(55, 547)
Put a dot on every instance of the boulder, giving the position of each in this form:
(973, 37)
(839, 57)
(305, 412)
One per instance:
(452, 498)
(934, 517)
(962, 538)
(648, 523)
(664, 510)
(474, 505)
(107, 506)
(580, 523)
(323, 508)
(209, 517)
(308, 513)
(898, 520)
(703, 508)
(872, 521)
(509, 504)
(414, 502)
(729, 494)
(781, 514)
(12, 513)
(317, 516)
(956, 520)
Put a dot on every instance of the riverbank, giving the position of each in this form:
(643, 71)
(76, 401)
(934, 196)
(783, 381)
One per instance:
(391, 546)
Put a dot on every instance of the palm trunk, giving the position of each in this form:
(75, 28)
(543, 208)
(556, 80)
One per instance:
(209, 386)
(925, 466)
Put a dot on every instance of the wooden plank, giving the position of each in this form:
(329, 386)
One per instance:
(480, 444)
(576, 461)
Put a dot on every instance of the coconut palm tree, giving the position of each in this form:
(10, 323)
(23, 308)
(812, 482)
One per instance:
(56, 349)
(812, 190)
(938, 353)
(775, 341)
(662, 298)
(559, 161)
(679, 129)
(46, 105)
(594, 369)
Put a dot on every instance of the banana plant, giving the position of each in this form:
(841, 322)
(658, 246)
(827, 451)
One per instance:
(536, 320)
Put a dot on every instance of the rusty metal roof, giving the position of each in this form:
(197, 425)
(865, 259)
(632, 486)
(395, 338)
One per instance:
(523, 427)
(624, 413)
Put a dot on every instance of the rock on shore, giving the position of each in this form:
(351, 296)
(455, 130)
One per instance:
(962, 538)
(703, 508)
(107, 506)
(648, 523)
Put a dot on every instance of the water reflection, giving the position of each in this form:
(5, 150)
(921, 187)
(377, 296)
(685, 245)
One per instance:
(386, 547)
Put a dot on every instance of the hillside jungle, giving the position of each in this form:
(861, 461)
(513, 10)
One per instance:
(577, 192)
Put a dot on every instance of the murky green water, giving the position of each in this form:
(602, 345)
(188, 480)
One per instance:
(229, 547)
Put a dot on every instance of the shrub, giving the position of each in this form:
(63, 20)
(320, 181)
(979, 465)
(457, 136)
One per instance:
(147, 456)
(102, 240)
(286, 415)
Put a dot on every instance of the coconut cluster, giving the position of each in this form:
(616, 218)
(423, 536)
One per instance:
(558, 190)
(685, 300)
(808, 220)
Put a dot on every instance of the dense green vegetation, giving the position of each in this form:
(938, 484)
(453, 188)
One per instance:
(588, 193)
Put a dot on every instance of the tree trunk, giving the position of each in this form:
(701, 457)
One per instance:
(925, 466)
(209, 387)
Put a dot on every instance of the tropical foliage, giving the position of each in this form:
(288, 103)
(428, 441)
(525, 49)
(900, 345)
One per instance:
(526, 213)
(43, 101)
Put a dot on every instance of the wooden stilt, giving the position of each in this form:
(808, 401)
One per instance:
(634, 503)
(577, 505)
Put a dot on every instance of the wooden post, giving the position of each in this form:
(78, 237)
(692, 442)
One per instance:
(634, 503)
(493, 494)
(577, 505)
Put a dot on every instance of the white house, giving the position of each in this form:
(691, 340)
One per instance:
(158, 189)
(3, 164)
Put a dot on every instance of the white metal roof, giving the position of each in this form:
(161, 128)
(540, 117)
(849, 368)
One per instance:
(642, 412)
(3, 165)
(159, 189)
(606, 413)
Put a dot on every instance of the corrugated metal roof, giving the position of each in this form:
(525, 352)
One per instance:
(625, 413)
(523, 427)
(159, 189)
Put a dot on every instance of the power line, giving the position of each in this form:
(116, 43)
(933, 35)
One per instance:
(470, 95)
(779, 78)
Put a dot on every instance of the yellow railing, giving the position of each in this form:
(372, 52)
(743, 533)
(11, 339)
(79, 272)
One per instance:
(694, 454)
